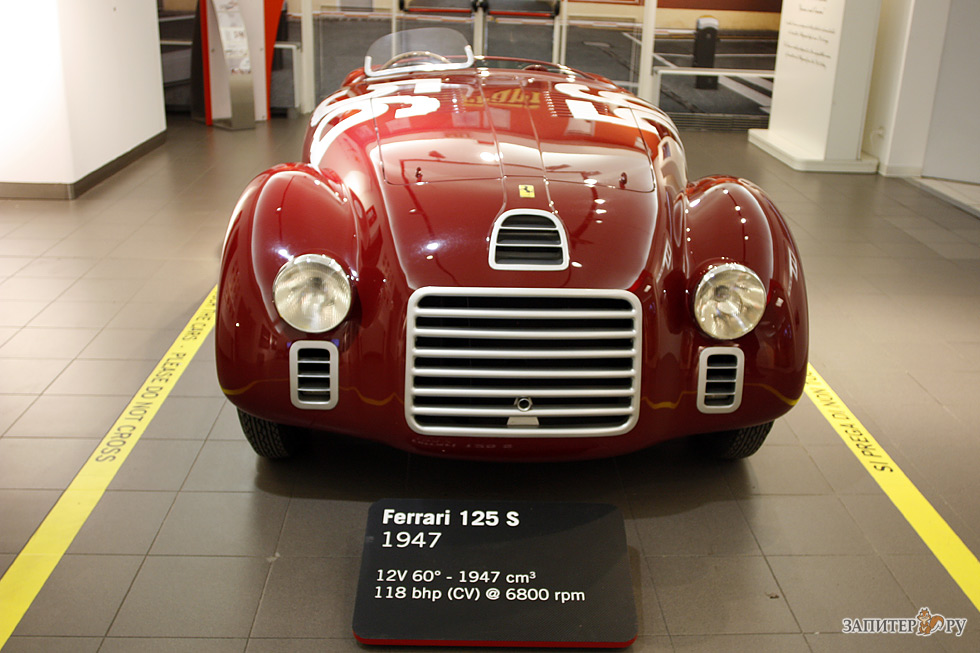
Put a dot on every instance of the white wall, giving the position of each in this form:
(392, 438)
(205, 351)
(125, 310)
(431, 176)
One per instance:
(82, 85)
(35, 144)
(903, 83)
(953, 150)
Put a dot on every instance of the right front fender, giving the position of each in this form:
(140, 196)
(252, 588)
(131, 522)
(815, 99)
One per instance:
(285, 212)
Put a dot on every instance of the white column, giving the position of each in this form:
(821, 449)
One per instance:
(823, 73)
(307, 100)
(646, 85)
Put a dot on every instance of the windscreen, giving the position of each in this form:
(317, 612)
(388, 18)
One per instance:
(429, 48)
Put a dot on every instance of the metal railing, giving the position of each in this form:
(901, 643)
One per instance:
(292, 46)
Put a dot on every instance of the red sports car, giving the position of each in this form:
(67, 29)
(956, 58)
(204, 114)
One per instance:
(503, 259)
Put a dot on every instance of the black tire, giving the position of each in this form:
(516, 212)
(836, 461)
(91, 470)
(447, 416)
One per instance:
(269, 439)
(735, 444)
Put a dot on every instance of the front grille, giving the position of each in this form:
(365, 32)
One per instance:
(313, 374)
(522, 362)
(720, 372)
(528, 240)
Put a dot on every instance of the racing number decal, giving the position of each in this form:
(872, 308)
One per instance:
(627, 110)
(364, 108)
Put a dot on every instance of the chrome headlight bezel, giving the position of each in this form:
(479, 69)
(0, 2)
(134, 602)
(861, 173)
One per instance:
(729, 301)
(312, 293)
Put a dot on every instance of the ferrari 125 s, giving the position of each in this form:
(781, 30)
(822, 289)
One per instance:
(503, 259)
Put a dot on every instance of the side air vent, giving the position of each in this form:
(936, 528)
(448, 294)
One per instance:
(720, 371)
(528, 239)
(313, 374)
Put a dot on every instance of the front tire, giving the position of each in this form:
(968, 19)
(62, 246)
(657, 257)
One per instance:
(734, 444)
(268, 439)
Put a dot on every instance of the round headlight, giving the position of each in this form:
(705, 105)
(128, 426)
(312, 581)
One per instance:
(729, 301)
(312, 293)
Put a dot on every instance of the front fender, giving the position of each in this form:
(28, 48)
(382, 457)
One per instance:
(286, 211)
(724, 219)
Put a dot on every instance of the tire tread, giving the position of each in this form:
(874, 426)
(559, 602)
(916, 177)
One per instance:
(268, 439)
(735, 444)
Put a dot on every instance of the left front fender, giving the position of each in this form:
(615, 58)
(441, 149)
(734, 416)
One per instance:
(285, 212)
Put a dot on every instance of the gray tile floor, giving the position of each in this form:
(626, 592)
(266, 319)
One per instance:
(200, 546)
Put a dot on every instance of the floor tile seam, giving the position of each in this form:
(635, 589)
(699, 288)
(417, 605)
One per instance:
(20, 275)
(891, 563)
(78, 357)
(74, 241)
(740, 504)
(656, 593)
(96, 359)
(197, 457)
(799, 495)
(856, 526)
(629, 514)
(765, 556)
(60, 438)
(878, 551)
(183, 556)
(257, 491)
(132, 581)
(140, 491)
(213, 423)
(271, 558)
(734, 633)
(276, 556)
(96, 331)
(58, 540)
(726, 555)
(952, 552)
(964, 522)
(265, 559)
(203, 637)
(121, 297)
(917, 476)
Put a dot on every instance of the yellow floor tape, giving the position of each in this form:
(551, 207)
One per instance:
(945, 544)
(32, 567)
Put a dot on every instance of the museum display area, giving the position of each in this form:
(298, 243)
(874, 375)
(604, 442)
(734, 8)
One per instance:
(135, 515)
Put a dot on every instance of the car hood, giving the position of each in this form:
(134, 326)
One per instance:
(468, 127)
(458, 152)
(443, 232)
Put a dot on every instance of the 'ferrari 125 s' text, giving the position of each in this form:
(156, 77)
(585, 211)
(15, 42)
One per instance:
(503, 259)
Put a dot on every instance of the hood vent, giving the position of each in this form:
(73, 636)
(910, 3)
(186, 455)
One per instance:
(527, 239)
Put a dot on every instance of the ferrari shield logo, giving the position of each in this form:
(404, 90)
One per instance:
(526, 190)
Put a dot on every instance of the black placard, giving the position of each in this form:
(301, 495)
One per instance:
(494, 573)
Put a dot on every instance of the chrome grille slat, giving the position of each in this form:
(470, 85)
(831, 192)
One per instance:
(514, 412)
(517, 333)
(517, 374)
(526, 314)
(516, 391)
(570, 357)
(495, 353)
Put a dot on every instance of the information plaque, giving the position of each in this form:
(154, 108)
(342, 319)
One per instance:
(495, 573)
